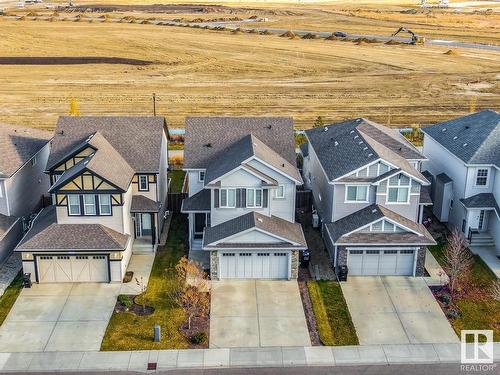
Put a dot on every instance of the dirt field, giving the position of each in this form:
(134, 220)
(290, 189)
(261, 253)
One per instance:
(202, 72)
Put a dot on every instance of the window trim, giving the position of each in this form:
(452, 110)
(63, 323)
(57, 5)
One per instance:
(487, 177)
(367, 187)
(282, 196)
(78, 205)
(139, 188)
(199, 176)
(110, 205)
(254, 203)
(227, 198)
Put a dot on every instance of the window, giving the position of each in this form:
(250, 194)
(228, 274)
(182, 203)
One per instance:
(254, 197)
(356, 193)
(89, 204)
(74, 204)
(33, 161)
(201, 176)
(105, 204)
(482, 177)
(228, 198)
(399, 189)
(143, 183)
(280, 192)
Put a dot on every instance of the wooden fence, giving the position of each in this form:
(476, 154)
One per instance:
(303, 200)
(174, 202)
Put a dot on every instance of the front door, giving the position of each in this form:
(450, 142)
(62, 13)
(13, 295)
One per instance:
(143, 225)
(480, 224)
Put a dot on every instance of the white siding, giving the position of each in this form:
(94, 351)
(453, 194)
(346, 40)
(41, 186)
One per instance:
(162, 180)
(194, 185)
(253, 236)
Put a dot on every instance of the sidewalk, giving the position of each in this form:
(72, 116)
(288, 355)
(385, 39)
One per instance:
(233, 358)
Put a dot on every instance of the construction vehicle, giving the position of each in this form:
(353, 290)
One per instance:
(414, 38)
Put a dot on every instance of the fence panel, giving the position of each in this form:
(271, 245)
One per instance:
(303, 200)
(175, 202)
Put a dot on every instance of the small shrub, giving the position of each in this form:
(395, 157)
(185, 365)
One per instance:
(198, 338)
(125, 300)
(453, 314)
(446, 299)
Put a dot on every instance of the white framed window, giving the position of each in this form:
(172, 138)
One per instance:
(280, 192)
(143, 183)
(74, 204)
(227, 198)
(356, 193)
(104, 204)
(482, 177)
(398, 190)
(201, 176)
(254, 197)
(89, 204)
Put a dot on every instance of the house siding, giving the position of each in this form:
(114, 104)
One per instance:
(3, 199)
(163, 180)
(341, 208)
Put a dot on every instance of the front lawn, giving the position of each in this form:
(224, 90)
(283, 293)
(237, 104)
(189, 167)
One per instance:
(477, 308)
(9, 297)
(127, 331)
(333, 319)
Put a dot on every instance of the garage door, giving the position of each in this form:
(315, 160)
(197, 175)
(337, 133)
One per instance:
(254, 265)
(381, 262)
(72, 268)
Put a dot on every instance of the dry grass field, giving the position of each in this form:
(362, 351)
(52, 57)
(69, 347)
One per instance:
(203, 72)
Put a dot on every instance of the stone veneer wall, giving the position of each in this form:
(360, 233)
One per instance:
(214, 274)
(295, 265)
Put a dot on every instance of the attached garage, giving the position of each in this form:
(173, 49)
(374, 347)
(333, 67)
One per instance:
(72, 268)
(370, 262)
(254, 265)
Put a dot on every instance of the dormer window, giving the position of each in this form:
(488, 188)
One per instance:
(201, 176)
(143, 183)
(482, 177)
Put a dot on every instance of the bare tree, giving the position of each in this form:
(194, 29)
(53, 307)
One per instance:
(142, 285)
(495, 290)
(458, 261)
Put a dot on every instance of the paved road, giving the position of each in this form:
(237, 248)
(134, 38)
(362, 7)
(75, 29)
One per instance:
(347, 370)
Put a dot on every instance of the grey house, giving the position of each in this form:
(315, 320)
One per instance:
(22, 180)
(109, 187)
(369, 195)
(464, 162)
(241, 180)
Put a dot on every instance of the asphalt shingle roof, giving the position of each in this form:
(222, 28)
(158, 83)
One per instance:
(482, 200)
(339, 229)
(5, 223)
(18, 145)
(197, 202)
(271, 224)
(140, 203)
(474, 138)
(349, 145)
(206, 137)
(46, 234)
(136, 139)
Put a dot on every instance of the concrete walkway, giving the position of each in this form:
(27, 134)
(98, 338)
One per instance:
(141, 265)
(396, 310)
(257, 313)
(251, 357)
(488, 255)
(437, 276)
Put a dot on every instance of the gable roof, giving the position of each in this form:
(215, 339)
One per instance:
(247, 147)
(473, 138)
(207, 137)
(106, 162)
(18, 145)
(136, 139)
(46, 234)
(482, 200)
(341, 231)
(5, 223)
(349, 145)
(273, 225)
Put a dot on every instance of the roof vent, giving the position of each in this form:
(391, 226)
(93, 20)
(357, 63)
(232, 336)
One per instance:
(269, 126)
(209, 145)
(465, 144)
(326, 128)
(61, 132)
(365, 148)
(401, 149)
(283, 165)
(370, 155)
(455, 137)
(360, 142)
(358, 120)
(356, 136)
(443, 130)
(352, 131)
(336, 143)
(467, 126)
(374, 211)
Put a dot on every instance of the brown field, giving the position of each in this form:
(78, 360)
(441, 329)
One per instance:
(202, 72)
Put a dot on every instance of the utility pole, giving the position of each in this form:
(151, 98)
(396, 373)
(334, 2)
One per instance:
(154, 104)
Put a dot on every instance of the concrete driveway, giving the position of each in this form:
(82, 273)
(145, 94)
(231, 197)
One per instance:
(59, 317)
(257, 313)
(396, 310)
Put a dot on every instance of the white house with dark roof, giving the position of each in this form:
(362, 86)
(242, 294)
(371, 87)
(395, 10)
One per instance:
(464, 160)
(369, 194)
(22, 180)
(109, 187)
(241, 180)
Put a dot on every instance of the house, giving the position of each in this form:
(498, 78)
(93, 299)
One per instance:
(369, 195)
(241, 181)
(108, 184)
(22, 182)
(464, 161)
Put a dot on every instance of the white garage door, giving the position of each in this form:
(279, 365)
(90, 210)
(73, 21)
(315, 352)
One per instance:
(72, 268)
(381, 262)
(254, 265)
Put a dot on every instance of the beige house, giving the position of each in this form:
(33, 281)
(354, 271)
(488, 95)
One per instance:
(109, 185)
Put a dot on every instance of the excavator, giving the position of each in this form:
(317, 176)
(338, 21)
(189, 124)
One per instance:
(415, 39)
